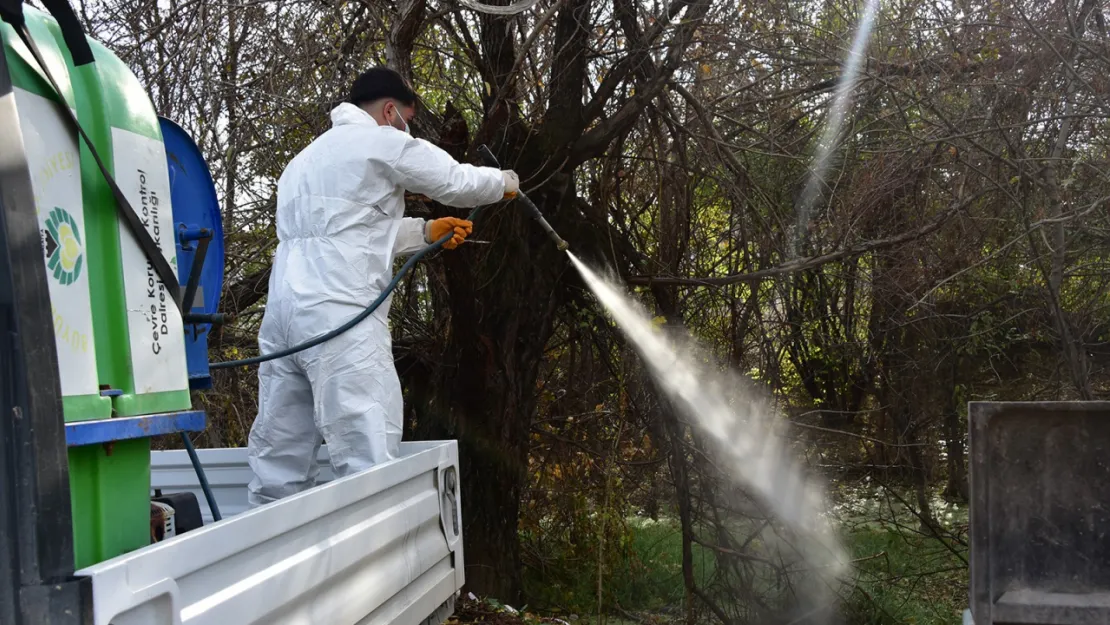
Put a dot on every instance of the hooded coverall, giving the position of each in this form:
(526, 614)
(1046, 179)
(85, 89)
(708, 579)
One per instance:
(340, 224)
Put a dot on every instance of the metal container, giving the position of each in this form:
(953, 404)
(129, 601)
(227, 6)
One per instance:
(1040, 512)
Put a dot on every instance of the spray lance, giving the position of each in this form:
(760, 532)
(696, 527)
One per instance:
(489, 160)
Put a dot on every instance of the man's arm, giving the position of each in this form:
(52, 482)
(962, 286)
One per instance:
(411, 236)
(425, 169)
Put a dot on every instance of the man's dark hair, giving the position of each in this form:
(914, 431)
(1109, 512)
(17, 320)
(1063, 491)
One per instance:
(378, 83)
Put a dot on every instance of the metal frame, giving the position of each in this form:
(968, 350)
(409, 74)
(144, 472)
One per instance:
(1038, 487)
(80, 433)
(37, 585)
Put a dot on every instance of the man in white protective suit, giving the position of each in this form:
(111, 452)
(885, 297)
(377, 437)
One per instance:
(340, 225)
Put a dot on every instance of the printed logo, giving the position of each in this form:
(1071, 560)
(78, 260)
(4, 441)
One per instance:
(61, 242)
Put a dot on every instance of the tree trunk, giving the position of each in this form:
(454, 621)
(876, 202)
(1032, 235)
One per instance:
(481, 387)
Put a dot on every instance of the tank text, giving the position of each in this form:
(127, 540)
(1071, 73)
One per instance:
(155, 290)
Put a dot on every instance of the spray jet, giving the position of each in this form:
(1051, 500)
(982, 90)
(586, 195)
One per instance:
(489, 160)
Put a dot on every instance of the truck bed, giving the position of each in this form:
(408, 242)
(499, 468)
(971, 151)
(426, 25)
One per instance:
(376, 548)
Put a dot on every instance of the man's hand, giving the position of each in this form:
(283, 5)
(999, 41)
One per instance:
(459, 229)
(512, 183)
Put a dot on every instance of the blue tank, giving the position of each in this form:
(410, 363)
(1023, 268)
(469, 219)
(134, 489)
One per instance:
(199, 235)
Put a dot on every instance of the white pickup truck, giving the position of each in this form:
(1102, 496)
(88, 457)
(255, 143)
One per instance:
(380, 547)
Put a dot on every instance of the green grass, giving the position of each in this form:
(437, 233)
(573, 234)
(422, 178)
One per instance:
(644, 574)
(898, 577)
(905, 578)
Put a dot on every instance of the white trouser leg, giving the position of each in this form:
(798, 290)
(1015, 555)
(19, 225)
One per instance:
(357, 397)
(283, 441)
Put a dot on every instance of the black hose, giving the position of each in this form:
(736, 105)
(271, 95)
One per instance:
(357, 318)
(216, 516)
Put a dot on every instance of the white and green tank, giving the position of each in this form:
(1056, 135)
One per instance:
(118, 332)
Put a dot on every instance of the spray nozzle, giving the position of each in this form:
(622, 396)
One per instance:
(491, 161)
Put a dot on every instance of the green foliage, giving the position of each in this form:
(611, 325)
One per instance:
(897, 578)
(645, 574)
(905, 579)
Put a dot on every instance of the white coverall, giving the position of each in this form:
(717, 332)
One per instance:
(340, 224)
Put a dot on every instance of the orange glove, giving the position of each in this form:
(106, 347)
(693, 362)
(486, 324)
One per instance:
(512, 183)
(459, 228)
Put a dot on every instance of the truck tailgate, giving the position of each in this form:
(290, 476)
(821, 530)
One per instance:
(379, 547)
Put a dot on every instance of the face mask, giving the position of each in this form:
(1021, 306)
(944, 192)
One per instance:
(404, 125)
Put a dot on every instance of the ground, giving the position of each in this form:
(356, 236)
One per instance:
(474, 611)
